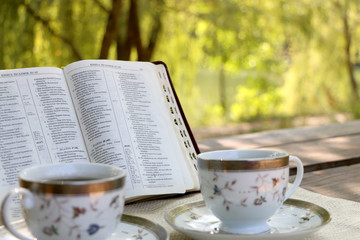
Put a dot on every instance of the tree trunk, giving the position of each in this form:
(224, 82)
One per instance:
(222, 89)
(134, 36)
(111, 29)
(124, 43)
(134, 30)
(157, 26)
(349, 65)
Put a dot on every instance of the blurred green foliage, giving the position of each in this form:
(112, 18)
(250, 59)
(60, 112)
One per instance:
(230, 60)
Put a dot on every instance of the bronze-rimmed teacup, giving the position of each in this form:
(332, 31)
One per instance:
(244, 188)
(69, 201)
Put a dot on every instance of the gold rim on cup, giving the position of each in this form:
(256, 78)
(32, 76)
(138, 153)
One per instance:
(76, 187)
(60, 181)
(205, 162)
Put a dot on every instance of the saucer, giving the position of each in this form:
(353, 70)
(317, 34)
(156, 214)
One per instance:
(130, 228)
(294, 220)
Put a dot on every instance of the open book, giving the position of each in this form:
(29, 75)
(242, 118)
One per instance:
(113, 112)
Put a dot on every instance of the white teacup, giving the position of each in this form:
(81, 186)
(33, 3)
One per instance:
(69, 201)
(244, 188)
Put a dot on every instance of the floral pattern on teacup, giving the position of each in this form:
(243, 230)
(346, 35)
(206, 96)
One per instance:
(59, 212)
(264, 187)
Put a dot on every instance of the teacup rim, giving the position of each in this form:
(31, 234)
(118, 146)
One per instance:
(234, 159)
(115, 180)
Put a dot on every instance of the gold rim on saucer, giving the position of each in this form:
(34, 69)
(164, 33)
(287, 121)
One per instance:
(142, 228)
(196, 221)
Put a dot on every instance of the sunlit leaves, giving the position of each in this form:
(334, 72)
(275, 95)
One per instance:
(268, 58)
(318, 73)
(256, 99)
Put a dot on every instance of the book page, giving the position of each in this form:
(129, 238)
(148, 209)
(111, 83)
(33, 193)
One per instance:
(125, 122)
(37, 121)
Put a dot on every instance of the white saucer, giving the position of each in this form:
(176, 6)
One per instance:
(295, 220)
(130, 228)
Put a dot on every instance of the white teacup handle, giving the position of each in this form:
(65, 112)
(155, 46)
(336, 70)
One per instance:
(27, 203)
(299, 176)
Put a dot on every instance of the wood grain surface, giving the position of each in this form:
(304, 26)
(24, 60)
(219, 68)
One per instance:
(330, 154)
(340, 182)
(319, 147)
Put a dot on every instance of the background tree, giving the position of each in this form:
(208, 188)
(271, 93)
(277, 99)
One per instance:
(230, 60)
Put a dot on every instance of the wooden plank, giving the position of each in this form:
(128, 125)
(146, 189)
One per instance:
(280, 137)
(318, 147)
(325, 153)
(341, 182)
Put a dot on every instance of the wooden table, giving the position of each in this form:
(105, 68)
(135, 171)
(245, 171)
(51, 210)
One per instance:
(330, 153)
